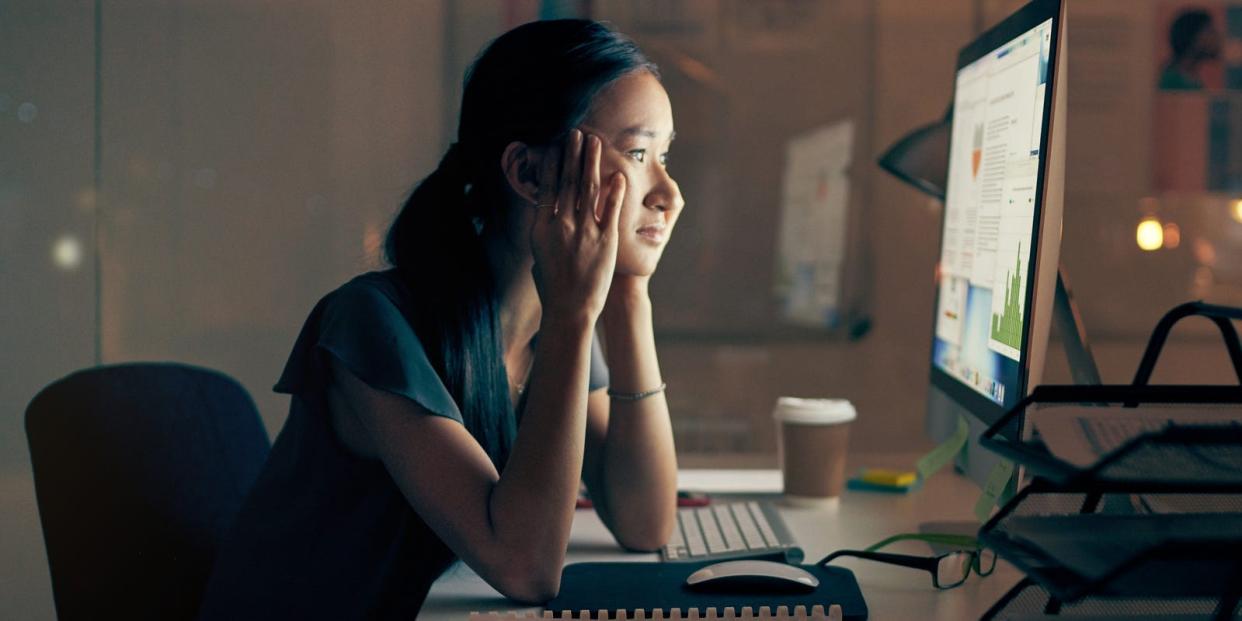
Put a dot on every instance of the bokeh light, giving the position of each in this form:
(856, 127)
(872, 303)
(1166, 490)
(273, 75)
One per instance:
(1172, 235)
(67, 253)
(27, 112)
(1204, 252)
(1150, 234)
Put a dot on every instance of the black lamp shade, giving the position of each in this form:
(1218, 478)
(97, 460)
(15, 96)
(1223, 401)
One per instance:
(921, 158)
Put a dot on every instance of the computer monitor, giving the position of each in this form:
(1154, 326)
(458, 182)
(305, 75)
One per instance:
(1001, 230)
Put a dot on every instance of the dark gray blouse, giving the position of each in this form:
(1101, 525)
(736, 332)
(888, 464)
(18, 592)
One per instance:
(325, 534)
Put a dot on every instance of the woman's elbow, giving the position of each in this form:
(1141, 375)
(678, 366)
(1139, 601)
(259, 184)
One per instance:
(642, 542)
(532, 585)
(646, 537)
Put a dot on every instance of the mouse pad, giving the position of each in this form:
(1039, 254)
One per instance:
(648, 586)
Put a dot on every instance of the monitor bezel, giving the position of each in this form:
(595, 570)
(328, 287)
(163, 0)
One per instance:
(1024, 20)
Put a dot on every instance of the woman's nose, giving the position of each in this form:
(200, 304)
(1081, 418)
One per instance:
(666, 195)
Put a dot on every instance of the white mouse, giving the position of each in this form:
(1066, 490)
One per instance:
(751, 576)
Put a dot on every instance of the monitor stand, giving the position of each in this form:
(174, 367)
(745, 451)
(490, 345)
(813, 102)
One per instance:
(1073, 334)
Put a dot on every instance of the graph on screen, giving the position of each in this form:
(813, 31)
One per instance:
(1007, 325)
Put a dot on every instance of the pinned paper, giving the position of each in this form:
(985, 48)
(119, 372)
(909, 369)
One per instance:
(811, 247)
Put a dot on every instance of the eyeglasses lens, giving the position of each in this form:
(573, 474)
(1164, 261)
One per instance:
(953, 569)
(985, 560)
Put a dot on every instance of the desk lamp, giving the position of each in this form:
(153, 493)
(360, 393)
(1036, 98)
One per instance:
(921, 157)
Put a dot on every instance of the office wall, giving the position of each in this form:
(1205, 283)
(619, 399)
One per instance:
(253, 156)
(252, 152)
(47, 305)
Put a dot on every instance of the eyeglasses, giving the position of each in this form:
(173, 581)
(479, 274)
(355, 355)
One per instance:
(947, 570)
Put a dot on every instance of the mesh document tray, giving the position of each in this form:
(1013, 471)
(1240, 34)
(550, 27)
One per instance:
(1121, 545)
(1173, 458)
(1028, 600)
(1181, 457)
(1147, 525)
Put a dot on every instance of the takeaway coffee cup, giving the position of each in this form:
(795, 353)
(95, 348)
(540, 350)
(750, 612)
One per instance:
(812, 437)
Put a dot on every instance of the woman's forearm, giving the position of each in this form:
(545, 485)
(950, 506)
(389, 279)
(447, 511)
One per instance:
(639, 463)
(534, 499)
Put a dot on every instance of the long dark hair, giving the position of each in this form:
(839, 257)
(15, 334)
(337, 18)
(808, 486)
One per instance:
(533, 84)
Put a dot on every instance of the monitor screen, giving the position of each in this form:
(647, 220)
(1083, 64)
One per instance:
(986, 266)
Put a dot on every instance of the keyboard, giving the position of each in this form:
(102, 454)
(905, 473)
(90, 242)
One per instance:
(730, 530)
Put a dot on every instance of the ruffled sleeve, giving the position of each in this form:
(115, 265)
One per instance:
(362, 326)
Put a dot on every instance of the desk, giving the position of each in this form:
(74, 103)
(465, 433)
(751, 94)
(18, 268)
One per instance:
(857, 520)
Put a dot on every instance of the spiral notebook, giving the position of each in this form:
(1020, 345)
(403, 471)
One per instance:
(656, 591)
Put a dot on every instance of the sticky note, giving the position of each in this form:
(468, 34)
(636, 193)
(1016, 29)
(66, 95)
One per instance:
(883, 476)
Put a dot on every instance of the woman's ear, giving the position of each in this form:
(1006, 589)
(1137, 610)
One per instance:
(520, 165)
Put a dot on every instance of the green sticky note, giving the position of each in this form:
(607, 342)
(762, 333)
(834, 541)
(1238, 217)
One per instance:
(940, 456)
(998, 480)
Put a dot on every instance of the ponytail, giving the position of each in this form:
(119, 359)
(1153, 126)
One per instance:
(438, 200)
(436, 249)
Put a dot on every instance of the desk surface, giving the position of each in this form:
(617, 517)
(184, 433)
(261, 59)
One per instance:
(857, 520)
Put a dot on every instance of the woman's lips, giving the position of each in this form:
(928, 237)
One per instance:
(653, 233)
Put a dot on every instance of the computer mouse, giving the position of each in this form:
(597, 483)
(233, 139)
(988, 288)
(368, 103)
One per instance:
(752, 576)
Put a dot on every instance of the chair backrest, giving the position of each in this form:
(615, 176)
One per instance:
(139, 470)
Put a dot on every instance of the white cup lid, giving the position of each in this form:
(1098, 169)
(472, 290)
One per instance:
(814, 411)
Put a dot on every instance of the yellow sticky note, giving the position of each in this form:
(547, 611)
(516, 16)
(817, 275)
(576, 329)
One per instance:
(891, 478)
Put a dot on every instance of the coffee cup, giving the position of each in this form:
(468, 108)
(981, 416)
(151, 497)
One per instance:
(812, 436)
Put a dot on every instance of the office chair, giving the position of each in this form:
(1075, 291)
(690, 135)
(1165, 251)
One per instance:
(139, 470)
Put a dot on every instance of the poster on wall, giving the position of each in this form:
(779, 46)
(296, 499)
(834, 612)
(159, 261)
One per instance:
(811, 244)
(1197, 109)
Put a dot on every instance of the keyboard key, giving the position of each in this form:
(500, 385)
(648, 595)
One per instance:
(754, 540)
(760, 519)
(694, 534)
(711, 531)
(678, 540)
(733, 538)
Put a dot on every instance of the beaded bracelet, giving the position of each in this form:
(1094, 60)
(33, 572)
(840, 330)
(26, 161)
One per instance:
(637, 396)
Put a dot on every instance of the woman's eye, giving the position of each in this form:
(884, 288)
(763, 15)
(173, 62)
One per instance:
(664, 160)
(638, 155)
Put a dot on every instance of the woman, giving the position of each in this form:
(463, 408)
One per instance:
(450, 406)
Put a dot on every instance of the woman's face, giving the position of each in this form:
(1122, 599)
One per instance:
(634, 122)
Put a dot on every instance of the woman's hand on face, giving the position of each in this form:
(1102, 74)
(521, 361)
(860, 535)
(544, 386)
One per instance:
(574, 235)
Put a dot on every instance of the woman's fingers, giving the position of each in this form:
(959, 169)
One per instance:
(549, 179)
(612, 205)
(571, 174)
(588, 191)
